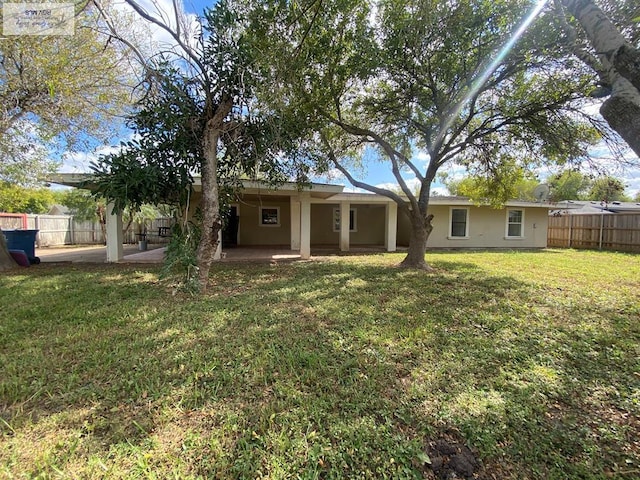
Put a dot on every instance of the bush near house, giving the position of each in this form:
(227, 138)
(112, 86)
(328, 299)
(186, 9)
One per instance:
(498, 365)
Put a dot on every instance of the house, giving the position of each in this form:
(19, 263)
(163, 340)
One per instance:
(323, 215)
(590, 207)
(58, 210)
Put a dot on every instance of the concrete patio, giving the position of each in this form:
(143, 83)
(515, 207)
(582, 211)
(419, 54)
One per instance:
(155, 254)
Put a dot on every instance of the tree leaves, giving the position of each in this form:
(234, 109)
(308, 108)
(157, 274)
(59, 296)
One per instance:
(58, 92)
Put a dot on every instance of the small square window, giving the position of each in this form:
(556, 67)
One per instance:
(270, 216)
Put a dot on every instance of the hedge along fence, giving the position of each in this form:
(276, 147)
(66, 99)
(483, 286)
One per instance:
(619, 231)
(66, 230)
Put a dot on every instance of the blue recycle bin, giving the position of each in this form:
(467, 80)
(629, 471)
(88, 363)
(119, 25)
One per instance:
(23, 240)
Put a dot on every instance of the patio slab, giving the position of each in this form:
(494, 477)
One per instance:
(155, 254)
(98, 254)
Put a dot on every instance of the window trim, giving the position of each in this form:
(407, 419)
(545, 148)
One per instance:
(261, 218)
(336, 219)
(507, 223)
(450, 236)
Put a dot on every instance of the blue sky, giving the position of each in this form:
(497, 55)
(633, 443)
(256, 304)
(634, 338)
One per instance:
(373, 172)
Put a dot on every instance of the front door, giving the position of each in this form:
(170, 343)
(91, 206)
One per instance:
(230, 232)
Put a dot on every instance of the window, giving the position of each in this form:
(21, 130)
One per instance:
(353, 226)
(459, 223)
(515, 222)
(269, 216)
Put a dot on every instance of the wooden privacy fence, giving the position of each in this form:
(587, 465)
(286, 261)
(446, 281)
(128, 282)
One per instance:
(619, 231)
(66, 230)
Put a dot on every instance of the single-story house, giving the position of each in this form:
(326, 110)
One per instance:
(325, 215)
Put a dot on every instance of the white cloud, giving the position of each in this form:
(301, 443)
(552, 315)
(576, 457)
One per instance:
(441, 191)
(412, 183)
(334, 175)
(79, 162)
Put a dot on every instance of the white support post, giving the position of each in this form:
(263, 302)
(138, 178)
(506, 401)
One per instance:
(305, 225)
(115, 252)
(72, 235)
(345, 215)
(218, 253)
(391, 226)
(295, 223)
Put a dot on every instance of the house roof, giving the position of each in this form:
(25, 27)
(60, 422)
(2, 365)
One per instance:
(58, 209)
(316, 190)
(590, 207)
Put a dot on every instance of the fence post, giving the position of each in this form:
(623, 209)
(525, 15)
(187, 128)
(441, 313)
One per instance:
(71, 230)
(601, 230)
(570, 229)
(37, 227)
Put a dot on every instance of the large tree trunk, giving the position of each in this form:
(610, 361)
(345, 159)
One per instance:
(6, 260)
(621, 65)
(627, 62)
(211, 220)
(622, 112)
(420, 230)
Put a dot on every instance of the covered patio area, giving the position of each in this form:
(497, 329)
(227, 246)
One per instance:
(291, 218)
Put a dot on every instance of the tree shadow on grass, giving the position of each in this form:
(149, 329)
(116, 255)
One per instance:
(315, 370)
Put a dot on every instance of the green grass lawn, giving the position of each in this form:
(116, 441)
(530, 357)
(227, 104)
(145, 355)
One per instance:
(344, 368)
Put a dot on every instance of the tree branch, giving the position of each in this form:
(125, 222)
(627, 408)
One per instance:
(193, 56)
(402, 204)
(581, 53)
(391, 153)
(149, 72)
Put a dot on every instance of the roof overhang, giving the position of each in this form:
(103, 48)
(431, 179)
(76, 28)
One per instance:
(316, 190)
(78, 180)
(322, 191)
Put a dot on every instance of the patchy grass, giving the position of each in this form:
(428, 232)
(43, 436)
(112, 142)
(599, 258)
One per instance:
(344, 368)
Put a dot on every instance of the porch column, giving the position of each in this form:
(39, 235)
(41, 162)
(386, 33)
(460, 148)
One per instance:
(305, 225)
(295, 223)
(115, 253)
(217, 255)
(344, 226)
(391, 226)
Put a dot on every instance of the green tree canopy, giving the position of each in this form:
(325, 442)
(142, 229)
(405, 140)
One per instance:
(59, 93)
(453, 80)
(608, 189)
(575, 185)
(568, 185)
(18, 199)
(82, 204)
(199, 117)
(495, 190)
